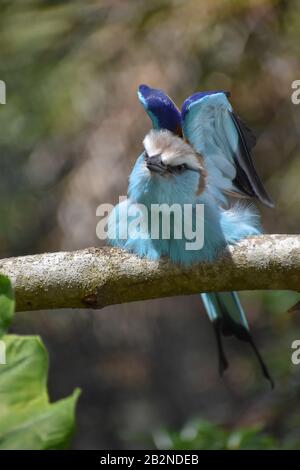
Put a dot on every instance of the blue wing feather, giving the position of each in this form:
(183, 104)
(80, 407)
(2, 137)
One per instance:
(197, 97)
(162, 111)
(214, 130)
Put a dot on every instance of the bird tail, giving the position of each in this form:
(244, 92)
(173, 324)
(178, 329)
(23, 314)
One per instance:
(227, 316)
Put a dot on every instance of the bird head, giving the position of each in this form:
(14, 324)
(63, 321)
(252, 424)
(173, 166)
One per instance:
(169, 170)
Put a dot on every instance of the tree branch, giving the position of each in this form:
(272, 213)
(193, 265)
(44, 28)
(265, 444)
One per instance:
(96, 277)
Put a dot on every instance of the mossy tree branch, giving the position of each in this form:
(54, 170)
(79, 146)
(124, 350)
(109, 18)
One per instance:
(96, 277)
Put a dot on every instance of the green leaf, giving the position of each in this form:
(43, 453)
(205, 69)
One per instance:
(7, 304)
(27, 419)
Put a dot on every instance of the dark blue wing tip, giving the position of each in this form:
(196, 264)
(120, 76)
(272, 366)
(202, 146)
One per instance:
(161, 109)
(198, 96)
(144, 90)
(154, 95)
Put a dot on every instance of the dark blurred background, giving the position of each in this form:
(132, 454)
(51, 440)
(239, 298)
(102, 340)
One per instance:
(70, 132)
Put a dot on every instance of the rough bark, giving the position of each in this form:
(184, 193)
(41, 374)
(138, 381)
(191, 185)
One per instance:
(96, 277)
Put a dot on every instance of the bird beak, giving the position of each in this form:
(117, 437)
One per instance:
(154, 164)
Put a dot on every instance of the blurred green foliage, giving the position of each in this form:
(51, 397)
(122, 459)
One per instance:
(27, 419)
(7, 304)
(202, 435)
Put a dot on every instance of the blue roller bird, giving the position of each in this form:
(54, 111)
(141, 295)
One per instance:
(201, 155)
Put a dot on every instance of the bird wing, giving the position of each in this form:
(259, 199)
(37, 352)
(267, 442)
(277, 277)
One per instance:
(225, 142)
(162, 111)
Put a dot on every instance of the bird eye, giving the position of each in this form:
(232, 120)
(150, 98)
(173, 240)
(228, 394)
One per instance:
(180, 168)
